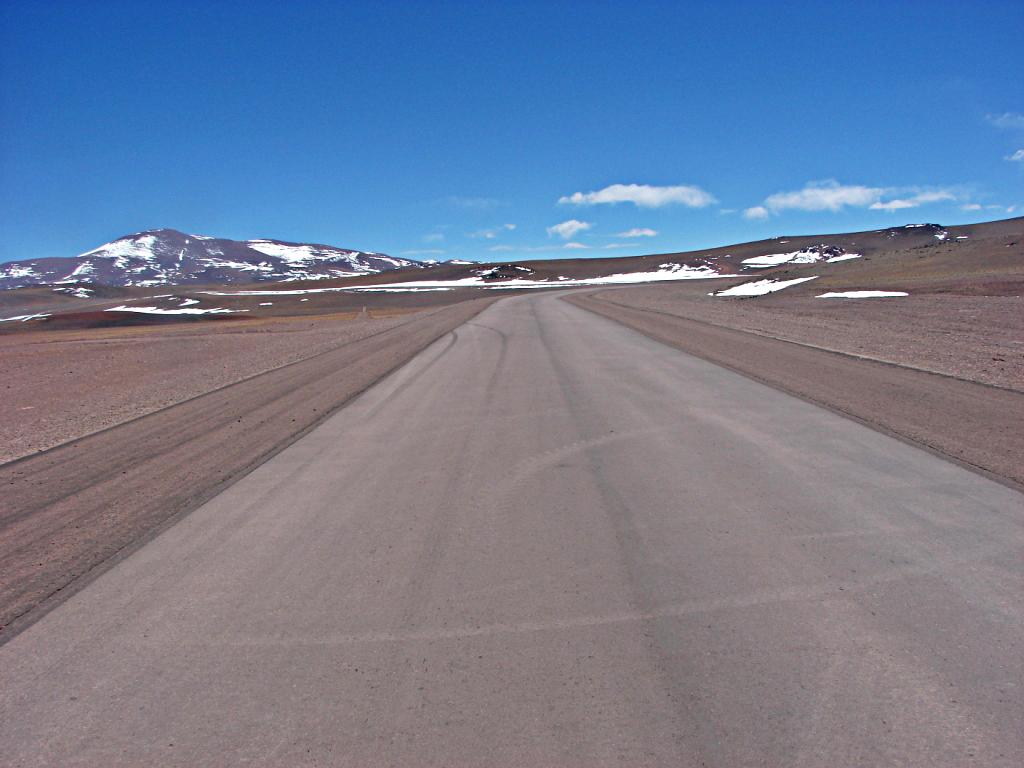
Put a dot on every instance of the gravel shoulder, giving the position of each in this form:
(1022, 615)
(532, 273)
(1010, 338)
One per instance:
(70, 510)
(977, 425)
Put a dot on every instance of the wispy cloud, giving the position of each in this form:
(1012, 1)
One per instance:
(913, 201)
(433, 237)
(827, 195)
(551, 247)
(472, 203)
(970, 207)
(575, 246)
(569, 229)
(638, 232)
(893, 205)
(1006, 120)
(1016, 157)
(643, 196)
(490, 234)
(830, 195)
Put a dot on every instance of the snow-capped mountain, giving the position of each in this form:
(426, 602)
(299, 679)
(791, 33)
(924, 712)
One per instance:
(166, 256)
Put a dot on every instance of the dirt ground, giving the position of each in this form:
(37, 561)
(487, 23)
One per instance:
(60, 385)
(978, 338)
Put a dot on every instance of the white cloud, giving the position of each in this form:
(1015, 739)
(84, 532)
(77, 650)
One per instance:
(830, 195)
(970, 207)
(638, 232)
(827, 195)
(893, 205)
(490, 234)
(621, 245)
(1016, 157)
(935, 196)
(575, 245)
(1006, 120)
(569, 229)
(643, 196)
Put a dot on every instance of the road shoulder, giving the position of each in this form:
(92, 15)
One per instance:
(977, 426)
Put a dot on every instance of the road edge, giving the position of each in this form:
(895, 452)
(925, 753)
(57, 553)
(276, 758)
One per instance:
(23, 621)
(580, 300)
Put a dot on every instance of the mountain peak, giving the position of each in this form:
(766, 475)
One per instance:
(171, 257)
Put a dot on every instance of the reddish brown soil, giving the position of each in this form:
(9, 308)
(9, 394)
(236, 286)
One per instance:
(59, 385)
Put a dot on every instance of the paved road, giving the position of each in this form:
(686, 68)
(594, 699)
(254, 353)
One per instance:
(549, 540)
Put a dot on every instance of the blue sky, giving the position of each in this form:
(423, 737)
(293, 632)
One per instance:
(501, 131)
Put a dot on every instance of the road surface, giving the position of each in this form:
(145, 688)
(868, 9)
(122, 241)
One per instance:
(549, 540)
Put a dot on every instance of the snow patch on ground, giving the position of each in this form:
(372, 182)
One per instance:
(665, 272)
(79, 292)
(844, 257)
(861, 294)
(808, 255)
(178, 311)
(399, 290)
(22, 318)
(18, 271)
(760, 287)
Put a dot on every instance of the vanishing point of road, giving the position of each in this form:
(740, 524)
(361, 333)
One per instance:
(551, 541)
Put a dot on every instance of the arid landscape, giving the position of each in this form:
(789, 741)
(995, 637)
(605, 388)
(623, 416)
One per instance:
(507, 385)
(149, 418)
(122, 381)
